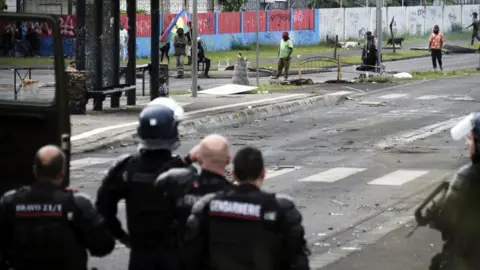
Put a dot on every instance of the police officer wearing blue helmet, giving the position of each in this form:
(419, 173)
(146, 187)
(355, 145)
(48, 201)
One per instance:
(149, 219)
(456, 212)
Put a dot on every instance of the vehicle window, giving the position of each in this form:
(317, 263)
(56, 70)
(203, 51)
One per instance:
(27, 71)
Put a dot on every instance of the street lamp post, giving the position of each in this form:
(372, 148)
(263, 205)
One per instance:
(379, 34)
(194, 49)
(258, 42)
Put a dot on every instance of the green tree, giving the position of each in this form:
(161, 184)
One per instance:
(231, 5)
(3, 5)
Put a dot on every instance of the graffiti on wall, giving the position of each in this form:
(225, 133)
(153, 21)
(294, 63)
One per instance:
(279, 20)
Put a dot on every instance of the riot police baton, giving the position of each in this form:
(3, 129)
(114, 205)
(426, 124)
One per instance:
(423, 220)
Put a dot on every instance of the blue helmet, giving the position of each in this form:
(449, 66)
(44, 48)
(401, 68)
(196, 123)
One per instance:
(158, 125)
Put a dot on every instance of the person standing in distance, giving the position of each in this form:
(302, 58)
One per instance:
(45, 226)
(435, 45)
(284, 55)
(248, 228)
(185, 186)
(475, 25)
(132, 177)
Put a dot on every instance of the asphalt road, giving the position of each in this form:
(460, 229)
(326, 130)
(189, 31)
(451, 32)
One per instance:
(352, 168)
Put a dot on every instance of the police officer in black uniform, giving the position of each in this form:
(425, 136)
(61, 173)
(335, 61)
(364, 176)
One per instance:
(248, 228)
(132, 177)
(185, 186)
(456, 213)
(44, 226)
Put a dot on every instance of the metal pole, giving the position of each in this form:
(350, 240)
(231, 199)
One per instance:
(258, 42)
(379, 33)
(132, 49)
(194, 49)
(155, 50)
(80, 39)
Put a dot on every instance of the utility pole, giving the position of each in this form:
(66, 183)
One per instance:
(379, 33)
(194, 49)
(258, 41)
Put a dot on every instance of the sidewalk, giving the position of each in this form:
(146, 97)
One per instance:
(118, 126)
(394, 252)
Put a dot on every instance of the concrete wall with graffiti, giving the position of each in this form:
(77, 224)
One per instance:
(408, 21)
(220, 30)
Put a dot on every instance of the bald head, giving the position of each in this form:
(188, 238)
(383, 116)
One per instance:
(49, 163)
(213, 151)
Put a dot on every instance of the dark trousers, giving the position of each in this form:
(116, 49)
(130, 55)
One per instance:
(475, 36)
(157, 259)
(436, 56)
(166, 55)
(207, 65)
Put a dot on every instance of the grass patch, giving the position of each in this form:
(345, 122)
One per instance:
(423, 75)
(266, 51)
(387, 55)
(353, 60)
(179, 92)
(272, 87)
(424, 39)
(430, 74)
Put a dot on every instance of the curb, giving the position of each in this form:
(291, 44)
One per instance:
(127, 136)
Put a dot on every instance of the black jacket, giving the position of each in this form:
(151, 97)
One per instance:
(45, 227)
(225, 225)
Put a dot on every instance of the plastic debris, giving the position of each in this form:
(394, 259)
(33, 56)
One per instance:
(339, 202)
(335, 214)
(351, 248)
(403, 75)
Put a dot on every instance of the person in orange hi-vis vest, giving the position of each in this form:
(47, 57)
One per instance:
(435, 46)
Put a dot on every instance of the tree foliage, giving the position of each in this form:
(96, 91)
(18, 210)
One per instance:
(231, 5)
(3, 5)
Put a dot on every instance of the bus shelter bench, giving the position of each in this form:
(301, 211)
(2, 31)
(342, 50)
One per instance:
(115, 92)
(140, 71)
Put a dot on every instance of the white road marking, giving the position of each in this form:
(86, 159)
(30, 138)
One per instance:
(393, 96)
(398, 178)
(104, 129)
(417, 134)
(340, 93)
(85, 162)
(430, 97)
(461, 98)
(275, 173)
(332, 175)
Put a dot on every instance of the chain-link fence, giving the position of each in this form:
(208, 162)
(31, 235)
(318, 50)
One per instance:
(59, 7)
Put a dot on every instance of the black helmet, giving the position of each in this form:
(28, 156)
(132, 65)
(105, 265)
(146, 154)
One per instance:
(158, 126)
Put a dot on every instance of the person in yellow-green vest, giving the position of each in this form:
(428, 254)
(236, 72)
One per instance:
(284, 55)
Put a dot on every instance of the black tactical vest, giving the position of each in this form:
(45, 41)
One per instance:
(149, 216)
(43, 234)
(207, 182)
(244, 232)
